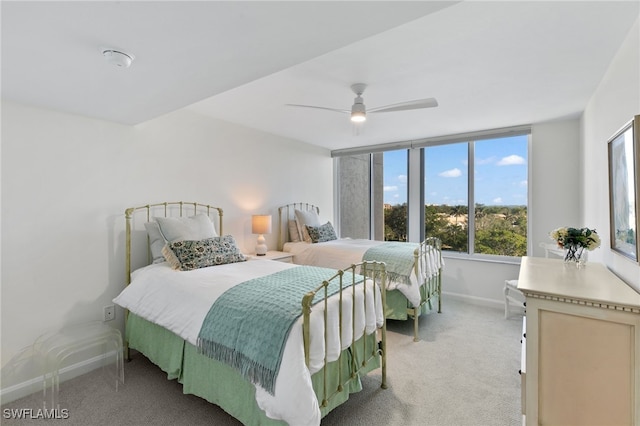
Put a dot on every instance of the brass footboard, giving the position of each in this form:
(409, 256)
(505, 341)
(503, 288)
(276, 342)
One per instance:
(426, 254)
(377, 276)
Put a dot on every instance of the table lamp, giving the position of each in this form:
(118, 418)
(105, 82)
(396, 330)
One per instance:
(261, 224)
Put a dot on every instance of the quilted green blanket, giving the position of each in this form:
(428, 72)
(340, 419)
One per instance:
(397, 256)
(248, 325)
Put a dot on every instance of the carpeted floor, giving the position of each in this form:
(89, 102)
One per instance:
(464, 371)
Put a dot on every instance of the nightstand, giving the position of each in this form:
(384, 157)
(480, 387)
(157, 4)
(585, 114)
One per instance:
(280, 256)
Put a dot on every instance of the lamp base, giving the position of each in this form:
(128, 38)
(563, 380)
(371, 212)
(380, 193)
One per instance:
(261, 248)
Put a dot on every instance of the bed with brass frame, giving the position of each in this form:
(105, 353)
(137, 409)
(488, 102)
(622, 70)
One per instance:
(428, 264)
(337, 376)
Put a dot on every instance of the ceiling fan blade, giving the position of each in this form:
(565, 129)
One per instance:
(405, 106)
(319, 107)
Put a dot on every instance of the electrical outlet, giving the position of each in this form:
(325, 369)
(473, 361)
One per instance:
(109, 313)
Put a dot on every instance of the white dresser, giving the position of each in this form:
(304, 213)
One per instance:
(582, 345)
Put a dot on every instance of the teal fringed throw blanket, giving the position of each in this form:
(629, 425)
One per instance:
(248, 325)
(398, 258)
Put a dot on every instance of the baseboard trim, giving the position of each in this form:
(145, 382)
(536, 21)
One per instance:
(475, 300)
(23, 389)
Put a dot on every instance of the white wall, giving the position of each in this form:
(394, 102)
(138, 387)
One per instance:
(614, 103)
(66, 181)
(555, 180)
(476, 281)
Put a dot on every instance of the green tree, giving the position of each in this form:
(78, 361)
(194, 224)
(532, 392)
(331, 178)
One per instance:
(500, 230)
(481, 214)
(395, 223)
(500, 242)
(433, 220)
(456, 212)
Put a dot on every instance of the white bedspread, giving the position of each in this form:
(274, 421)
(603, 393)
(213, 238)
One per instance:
(344, 252)
(180, 300)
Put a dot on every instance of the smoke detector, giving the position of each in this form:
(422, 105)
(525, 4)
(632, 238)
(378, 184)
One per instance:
(117, 58)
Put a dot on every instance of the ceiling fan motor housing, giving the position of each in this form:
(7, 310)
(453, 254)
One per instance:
(358, 105)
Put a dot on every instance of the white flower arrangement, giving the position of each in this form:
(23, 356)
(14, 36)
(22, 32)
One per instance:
(576, 237)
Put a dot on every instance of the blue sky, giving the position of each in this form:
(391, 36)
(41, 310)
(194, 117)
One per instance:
(500, 173)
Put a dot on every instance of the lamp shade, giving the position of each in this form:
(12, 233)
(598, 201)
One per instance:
(261, 224)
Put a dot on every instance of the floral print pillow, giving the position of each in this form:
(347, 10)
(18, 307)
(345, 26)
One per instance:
(189, 254)
(322, 233)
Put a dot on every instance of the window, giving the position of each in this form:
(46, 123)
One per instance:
(497, 202)
(446, 195)
(472, 191)
(500, 202)
(394, 170)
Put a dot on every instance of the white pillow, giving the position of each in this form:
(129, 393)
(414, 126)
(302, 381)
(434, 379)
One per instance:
(156, 241)
(198, 227)
(304, 219)
(294, 232)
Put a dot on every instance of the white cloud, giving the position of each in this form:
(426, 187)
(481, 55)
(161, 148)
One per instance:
(511, 160)
(480, 161)
(388, 188)
(497, 200)
(524, 183)
(402, 178)
(451, 173)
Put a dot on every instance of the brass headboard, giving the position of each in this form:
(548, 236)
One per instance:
(139, 215)
(287, 213)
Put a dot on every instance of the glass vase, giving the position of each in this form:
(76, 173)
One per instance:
(575, 254)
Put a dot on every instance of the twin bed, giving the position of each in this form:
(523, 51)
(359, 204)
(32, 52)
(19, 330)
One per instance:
(206, 316)
(414, 270)
(269, 342)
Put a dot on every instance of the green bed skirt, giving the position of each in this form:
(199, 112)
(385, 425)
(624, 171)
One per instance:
(398, 306)
(220, 384)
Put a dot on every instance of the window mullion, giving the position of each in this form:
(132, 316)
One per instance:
(471, 216)
(415, 198)
(372, 219)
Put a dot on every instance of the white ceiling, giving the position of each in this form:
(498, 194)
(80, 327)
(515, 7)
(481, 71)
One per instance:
(489, 64)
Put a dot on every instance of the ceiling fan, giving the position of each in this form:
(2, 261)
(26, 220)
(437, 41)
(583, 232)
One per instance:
(359, 112)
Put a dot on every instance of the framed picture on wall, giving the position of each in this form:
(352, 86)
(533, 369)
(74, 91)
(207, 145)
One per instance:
(624, 188)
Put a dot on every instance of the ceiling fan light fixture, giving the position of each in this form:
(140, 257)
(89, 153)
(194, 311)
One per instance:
(358, 112)
(358, 117)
